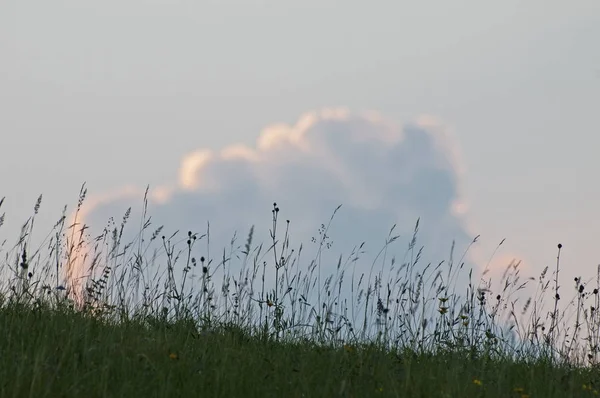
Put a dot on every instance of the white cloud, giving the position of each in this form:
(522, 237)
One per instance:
(382, 173)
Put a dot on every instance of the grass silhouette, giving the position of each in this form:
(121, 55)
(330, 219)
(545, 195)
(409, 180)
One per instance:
(159, 316)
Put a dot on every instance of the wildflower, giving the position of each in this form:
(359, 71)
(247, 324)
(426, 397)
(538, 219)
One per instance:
(173, 356)
(443, 310)
(477, 382)
(269, 303)
(587, 387)
(443, 299)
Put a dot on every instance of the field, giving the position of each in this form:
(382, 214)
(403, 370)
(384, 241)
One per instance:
(173, 329)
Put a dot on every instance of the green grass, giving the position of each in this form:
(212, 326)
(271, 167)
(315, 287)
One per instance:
(149, 328)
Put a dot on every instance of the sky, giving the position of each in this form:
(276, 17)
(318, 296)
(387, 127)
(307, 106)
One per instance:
(480, 118)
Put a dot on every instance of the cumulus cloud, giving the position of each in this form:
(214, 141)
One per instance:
(380, 172)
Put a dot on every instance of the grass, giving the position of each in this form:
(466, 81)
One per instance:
(158, 316)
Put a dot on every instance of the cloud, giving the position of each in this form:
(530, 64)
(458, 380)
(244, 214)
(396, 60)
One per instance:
(380, 172)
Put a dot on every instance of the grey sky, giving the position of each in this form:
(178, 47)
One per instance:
(118, 92)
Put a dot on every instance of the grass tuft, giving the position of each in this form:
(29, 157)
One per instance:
(160, 316)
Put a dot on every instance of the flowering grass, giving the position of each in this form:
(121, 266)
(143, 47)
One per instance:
(185, 325)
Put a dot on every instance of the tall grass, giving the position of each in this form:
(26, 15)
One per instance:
(162, 316)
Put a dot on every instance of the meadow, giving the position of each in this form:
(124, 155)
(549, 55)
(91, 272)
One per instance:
(159, 316)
